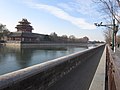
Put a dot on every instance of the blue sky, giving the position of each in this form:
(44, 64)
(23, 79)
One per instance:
(65, 17)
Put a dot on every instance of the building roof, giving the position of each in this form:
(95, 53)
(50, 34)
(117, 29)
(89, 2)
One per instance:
(24, 34)
(24, 25)
(24, 21)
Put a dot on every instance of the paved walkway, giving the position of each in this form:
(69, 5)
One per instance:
(80, 78)
(117, 52)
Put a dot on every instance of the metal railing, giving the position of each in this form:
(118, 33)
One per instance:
(112, 71)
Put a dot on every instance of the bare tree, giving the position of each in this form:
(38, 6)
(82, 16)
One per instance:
(54, 36)
(110, 9)
(2, 27)
(118, 1)
(64, 36)
(72, 38)
(108, 36)
(3, 31)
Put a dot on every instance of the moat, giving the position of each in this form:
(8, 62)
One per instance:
(12, 59)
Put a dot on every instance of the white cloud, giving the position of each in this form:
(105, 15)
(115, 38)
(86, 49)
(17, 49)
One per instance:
(58, 12)
(65, 6)
(85, 8)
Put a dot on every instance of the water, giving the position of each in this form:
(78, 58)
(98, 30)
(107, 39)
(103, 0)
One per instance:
(15, 59)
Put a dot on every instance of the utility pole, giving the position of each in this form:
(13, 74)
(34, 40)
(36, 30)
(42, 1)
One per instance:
(115, 30)
(113, 37)
(115, 40)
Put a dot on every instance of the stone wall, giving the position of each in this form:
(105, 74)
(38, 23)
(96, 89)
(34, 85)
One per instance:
(44, 45)
(15, 44)
(42, 76)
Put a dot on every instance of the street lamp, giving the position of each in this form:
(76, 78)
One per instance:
(115, 30)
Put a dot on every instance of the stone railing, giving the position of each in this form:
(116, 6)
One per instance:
(42, 76)
(53, 45)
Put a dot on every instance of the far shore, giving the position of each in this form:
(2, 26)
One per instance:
(33, 45)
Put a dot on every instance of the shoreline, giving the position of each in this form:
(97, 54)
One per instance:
(44, 45)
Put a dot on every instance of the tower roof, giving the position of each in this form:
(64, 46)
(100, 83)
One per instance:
(24, 21)
(24, 26)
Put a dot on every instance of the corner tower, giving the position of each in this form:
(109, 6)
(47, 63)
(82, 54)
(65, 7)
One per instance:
(24, 26)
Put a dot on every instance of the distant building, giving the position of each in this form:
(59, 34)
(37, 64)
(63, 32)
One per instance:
(24, 37)
(24, 34)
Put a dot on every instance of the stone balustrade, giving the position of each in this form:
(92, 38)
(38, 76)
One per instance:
(42, 76)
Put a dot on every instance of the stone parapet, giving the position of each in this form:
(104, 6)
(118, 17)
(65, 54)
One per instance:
(42, 76)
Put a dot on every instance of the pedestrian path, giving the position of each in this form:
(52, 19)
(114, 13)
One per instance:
(117, 52)
(81, 77)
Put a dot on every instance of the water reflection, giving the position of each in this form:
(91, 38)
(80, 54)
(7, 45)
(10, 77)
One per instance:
(23, 57)
(12, 59)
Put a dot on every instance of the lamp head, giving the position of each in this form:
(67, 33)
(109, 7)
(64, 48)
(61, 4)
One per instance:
(100, 23)
(96, 24)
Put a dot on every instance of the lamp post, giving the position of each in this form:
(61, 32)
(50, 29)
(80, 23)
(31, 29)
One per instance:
(113, 39)
(115, 30)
